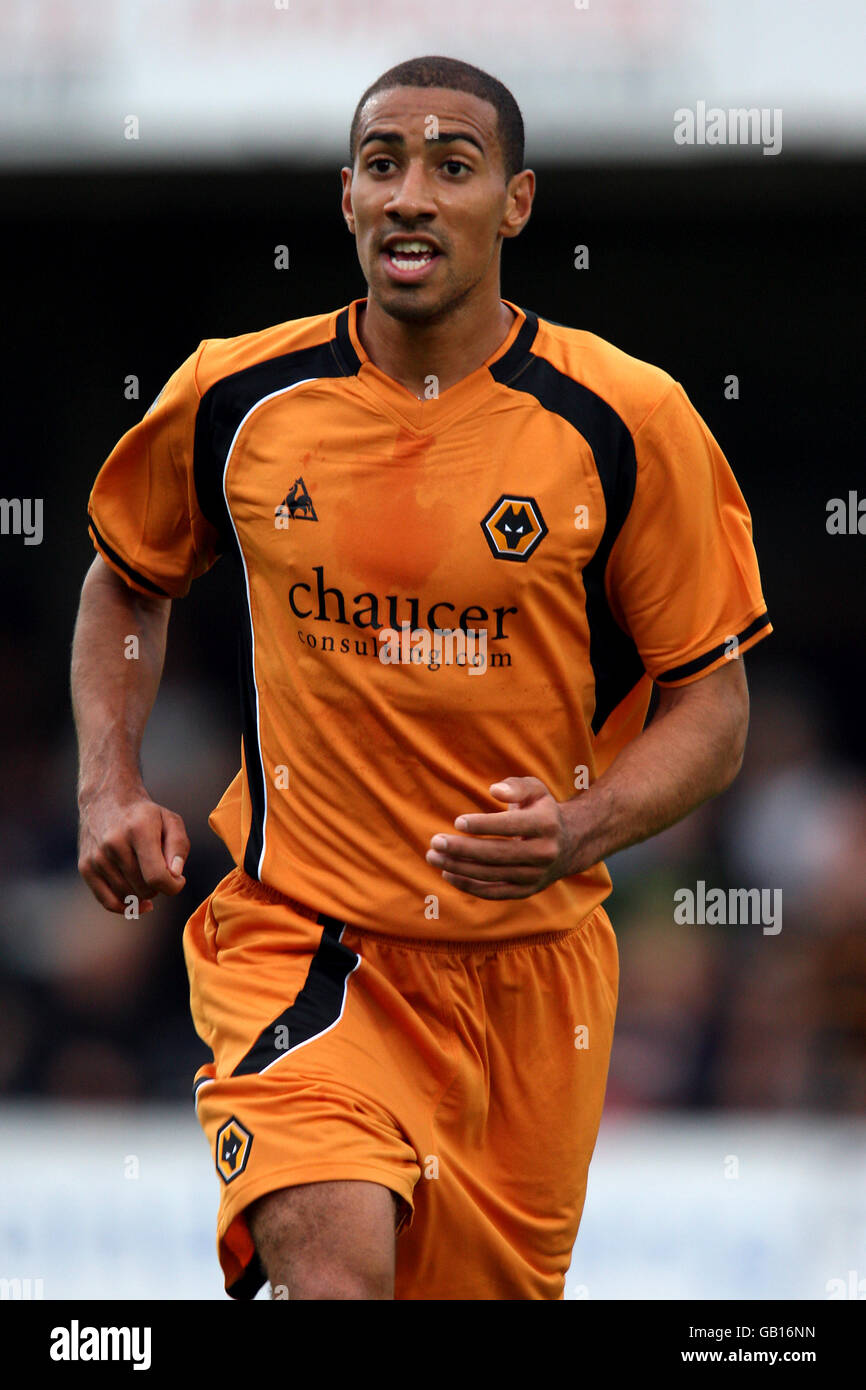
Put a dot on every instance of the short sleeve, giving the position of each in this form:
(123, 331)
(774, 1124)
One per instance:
(683, 577)
(144, 515)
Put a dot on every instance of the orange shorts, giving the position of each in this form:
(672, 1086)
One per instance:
(468, 1079)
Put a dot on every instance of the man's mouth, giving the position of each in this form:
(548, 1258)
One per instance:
(408, 258)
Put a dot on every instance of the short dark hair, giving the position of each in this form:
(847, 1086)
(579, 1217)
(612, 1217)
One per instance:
(459, 77)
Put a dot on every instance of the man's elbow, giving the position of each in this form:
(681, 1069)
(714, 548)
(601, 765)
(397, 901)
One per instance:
(736, 752)
(733, 750)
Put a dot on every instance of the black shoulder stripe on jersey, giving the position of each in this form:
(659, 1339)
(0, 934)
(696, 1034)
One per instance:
(317, 1006)
(344, 348)
(507, 367)
(221, 411)
(127, 569)
(225, 405)
(616, 663)
(691, 668)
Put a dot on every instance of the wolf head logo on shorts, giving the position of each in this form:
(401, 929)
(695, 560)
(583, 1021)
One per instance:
(513, 527)
(233, 1144)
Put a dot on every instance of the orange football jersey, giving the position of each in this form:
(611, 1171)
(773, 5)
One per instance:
(437, 593)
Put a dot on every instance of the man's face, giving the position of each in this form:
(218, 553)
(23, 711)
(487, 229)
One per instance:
(427, 199)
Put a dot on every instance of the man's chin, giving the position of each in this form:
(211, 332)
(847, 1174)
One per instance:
(414, 303)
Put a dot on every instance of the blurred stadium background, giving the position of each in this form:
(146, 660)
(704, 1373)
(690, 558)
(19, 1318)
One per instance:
(730, 1162)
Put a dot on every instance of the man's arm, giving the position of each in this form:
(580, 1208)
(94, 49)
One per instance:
(127, 844)
(692, 750)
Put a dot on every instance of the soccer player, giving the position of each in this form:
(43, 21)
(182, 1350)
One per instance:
(469, 542)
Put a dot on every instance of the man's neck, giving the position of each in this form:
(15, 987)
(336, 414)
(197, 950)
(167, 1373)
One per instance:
(448, 349)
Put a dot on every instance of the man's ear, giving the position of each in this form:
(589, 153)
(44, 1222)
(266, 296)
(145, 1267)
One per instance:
(521, 191)
(346, 200)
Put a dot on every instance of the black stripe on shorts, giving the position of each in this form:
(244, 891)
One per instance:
(317, 1006)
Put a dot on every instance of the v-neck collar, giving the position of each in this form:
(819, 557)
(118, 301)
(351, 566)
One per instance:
(425, 416)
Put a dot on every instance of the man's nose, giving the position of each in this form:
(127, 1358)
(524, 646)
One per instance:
(413, 196)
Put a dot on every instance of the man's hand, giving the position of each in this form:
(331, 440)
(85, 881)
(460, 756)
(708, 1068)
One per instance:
(532, 850)
(130, 846)
(691, 750)
(127, 845)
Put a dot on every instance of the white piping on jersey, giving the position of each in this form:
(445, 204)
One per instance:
(206, 1081)
(282, 391)
(299, 1045)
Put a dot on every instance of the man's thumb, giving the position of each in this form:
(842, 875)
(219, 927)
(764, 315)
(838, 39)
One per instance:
(515, 788)
(176, 850)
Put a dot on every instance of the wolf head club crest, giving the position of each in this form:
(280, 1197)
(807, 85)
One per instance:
(514, 527)
(233, 1144)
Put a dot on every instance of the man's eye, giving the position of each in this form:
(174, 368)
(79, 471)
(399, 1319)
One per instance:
(380, 159)
(454, 166)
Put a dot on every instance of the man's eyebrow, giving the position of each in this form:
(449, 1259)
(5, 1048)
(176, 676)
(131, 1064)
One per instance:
(393, 137)
(445, 136)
